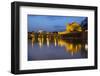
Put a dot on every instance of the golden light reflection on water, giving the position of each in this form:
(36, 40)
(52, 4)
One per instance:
(33, 39)
(86, 47)
(70, 47)
(55, 41)
(48, 42)
(40, 42)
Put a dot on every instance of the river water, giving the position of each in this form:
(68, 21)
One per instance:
(52, 49)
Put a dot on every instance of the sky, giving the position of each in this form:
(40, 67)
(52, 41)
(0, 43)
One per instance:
(51, 23)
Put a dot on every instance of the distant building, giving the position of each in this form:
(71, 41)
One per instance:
(72, 27)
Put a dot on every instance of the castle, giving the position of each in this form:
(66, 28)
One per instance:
(72, 27)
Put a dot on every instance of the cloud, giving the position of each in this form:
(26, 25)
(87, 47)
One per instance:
(50, 23)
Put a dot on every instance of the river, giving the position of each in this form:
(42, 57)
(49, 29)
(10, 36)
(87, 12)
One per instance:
(52, 49)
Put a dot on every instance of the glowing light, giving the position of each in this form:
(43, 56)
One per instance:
(48, 42)
(40, 41)
(70, 47)
(86, 47)
(55, 41)
(74, 26)
(33, 39)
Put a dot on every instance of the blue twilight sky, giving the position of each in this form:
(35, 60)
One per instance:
(51, 23)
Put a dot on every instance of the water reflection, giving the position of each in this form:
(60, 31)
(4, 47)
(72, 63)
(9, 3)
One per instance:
(40, 42)
(48, 42)
(70, 46)
(52, 46)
